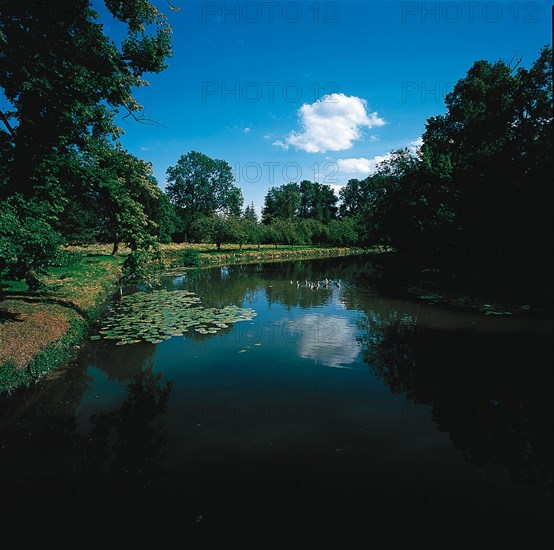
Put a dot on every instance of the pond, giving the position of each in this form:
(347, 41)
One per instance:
(335, 417)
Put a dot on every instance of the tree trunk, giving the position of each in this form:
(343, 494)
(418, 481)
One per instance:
(115, 248)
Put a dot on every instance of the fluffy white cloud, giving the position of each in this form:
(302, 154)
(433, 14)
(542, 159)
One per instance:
(246, 130)
(361, 165)
(415, 146)
(332, 123)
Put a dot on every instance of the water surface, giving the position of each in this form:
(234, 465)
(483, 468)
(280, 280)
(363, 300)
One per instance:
(337, 418)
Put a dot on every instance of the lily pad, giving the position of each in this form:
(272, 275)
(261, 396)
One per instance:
(157, 316)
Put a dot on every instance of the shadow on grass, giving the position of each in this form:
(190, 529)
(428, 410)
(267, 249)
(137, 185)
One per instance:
(32, 298)
(6, 316)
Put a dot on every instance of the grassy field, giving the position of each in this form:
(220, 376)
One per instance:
(40, 330)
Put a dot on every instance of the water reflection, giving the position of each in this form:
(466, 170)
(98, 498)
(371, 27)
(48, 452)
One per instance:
(43, 437)
(490, 392)
(126, 445)
(222, 439)
(327, 339)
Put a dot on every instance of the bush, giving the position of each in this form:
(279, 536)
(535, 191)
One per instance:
(28, 245)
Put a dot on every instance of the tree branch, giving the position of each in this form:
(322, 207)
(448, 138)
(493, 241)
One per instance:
(142, 118)
(6, 122)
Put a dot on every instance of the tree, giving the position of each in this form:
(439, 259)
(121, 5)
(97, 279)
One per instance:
(65, 81)
(216, 229)
(251, 225)
(27, 245)
(354, 196)
(281, 203)
(199, 186)
(344, 232)
(495, 141)
(250, 214)
(313, 231)
(317, 201)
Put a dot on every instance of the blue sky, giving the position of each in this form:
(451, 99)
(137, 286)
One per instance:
(318, 90)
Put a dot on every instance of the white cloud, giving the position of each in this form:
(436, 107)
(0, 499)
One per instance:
(246, 130)
(332, 123)
(416, 145)
(361, 165)
(336, 187)
(279, 143)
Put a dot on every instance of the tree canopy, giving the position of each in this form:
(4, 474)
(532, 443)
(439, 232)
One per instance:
(199, 186)
(305, 200)
(65, 82)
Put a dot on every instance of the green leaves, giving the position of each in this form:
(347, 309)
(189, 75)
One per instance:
(200, 186)
(160, 315)
(63, 80)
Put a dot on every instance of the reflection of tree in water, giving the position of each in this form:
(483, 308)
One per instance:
(385, 348)
(120, 363)
(237, 284)
(38, 428)
(490, 391)
(43, 449)
(125, 445)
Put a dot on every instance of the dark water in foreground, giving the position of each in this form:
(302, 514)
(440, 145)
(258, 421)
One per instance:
(337, 418)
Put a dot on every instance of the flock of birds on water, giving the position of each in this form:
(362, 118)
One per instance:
(316, 285)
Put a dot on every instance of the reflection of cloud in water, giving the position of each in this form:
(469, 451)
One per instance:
(327, 339)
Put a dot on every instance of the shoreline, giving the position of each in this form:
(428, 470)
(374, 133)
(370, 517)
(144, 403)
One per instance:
(49, 327)
(41, 331)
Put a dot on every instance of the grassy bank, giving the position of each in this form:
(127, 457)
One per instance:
(179, 255)
(41, 330)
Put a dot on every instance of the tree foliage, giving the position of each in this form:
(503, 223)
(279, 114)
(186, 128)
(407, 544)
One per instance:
(65, 81)
(479, 188)
(199, 186)
(308, 200)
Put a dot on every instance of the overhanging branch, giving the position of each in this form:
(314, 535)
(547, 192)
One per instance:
(6, 122)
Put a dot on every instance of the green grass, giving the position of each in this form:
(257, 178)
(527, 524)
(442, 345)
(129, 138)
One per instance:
(41, 330)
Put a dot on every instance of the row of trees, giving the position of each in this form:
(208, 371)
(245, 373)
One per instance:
(480, 187)
(208, 207)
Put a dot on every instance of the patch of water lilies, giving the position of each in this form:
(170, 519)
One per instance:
(157, 316)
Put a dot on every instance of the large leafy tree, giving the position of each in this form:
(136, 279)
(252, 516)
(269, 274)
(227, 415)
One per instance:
(281, 203)
(479, 188)
(199, 186)
(492, 150)
(317, 201)
(307, 200)
(354, 196)
(65, 81)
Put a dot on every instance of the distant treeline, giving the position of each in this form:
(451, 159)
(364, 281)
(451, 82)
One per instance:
(479, 187)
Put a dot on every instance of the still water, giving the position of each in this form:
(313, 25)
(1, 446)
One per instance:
(336, 418)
